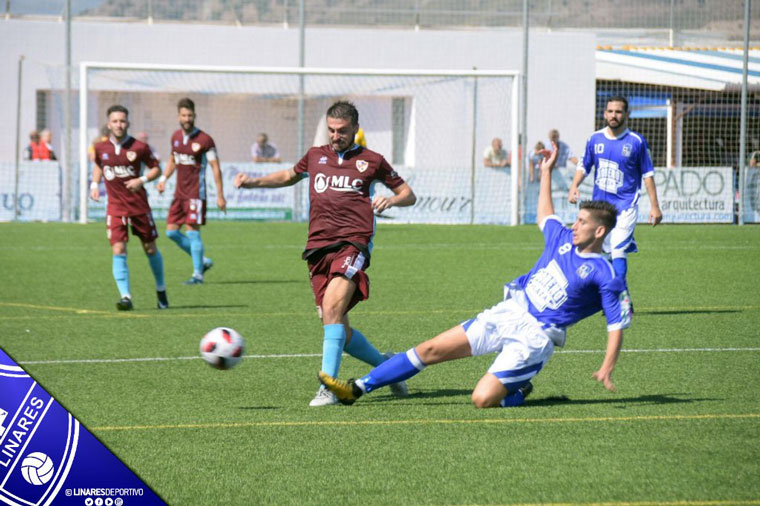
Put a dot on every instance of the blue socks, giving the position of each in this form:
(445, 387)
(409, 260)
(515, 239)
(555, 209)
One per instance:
(196, 251)
(181, 239)
(620, 266)
(157, 266)
(121, 274)
(362, 349)
(399, 367)
(332, 348)
(513, 400)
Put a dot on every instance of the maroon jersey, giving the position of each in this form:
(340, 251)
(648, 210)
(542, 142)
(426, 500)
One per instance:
(120, 163)
(191, 155)
(340, 194)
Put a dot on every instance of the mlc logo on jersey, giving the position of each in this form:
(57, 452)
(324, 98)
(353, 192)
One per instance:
(337, 183)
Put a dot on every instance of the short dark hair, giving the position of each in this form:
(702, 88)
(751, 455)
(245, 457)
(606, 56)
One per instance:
(619, 98)
(186, 103)
(603, 212)
(116, 108)
(344, 109)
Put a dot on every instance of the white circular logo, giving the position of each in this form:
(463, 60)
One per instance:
(320, 183)
(109, 173)
(37, 468)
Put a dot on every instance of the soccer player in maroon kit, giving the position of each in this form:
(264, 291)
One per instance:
(191, 150)
(341, 228)
(120, 160)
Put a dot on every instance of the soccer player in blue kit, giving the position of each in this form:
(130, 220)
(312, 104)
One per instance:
(570, 281)
(621, 159)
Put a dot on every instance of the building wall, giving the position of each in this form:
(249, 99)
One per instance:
(561, 65)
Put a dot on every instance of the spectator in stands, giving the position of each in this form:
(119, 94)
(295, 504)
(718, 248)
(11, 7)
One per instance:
(536, 157)
(563, 173)
(754, 157)
(34, 140)
(104, 134)
(264, 151)
(45, 148)
(496, 156)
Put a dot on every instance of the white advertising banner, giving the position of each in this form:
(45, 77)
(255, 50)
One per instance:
(449, 196)
(275, 204)
(39, 191)
(752, 195)
(692, 195)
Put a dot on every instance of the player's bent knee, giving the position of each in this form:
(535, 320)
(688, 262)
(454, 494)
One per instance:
(484, 400)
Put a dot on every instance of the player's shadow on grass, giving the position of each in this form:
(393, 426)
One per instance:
(642, 399)
(685, 311)
(256, 282)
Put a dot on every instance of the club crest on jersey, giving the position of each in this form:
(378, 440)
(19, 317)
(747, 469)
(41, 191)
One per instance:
(361, 165)
(196, 146)
(131, 156)
(105, 156)
(322, 160)
(176, 143)
(627, 149)
(584, 270)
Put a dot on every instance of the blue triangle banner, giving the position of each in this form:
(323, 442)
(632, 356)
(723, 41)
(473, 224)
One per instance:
(48, 458)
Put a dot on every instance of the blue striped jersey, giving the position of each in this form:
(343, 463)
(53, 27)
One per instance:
(620, 163)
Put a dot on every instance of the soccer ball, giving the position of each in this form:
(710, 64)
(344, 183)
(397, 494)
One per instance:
(222, 348)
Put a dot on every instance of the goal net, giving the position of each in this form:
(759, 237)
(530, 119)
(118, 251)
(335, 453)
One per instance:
(432, 126)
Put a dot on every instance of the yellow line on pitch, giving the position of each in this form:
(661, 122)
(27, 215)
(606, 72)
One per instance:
(358, 423)
(76, 310)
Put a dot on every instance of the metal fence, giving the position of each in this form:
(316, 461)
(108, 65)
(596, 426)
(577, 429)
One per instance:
(661, 22)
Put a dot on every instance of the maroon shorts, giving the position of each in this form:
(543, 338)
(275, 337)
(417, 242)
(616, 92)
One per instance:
(349, 262)
(187, 212)
(142, 226)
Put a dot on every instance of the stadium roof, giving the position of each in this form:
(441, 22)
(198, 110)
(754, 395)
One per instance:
(715, 69)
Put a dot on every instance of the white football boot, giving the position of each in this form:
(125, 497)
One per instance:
(324, 397)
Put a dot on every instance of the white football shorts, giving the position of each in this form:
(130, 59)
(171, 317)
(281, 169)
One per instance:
(620, 242)
(509, 329)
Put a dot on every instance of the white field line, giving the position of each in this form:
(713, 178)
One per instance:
(312, 355)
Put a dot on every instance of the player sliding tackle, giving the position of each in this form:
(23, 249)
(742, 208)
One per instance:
(570, 281)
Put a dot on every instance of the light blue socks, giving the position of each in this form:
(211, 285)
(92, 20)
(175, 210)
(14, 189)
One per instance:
(121, 274)
(332, 348)
(196, 251)
(359, 347)
(157, 266)
(181, 239)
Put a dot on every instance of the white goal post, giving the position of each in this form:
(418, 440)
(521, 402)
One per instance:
(431, 125)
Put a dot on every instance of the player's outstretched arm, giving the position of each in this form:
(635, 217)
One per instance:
(286, 177)
(403, 197)
(545, 205)
(604, 374)
(655, 214)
